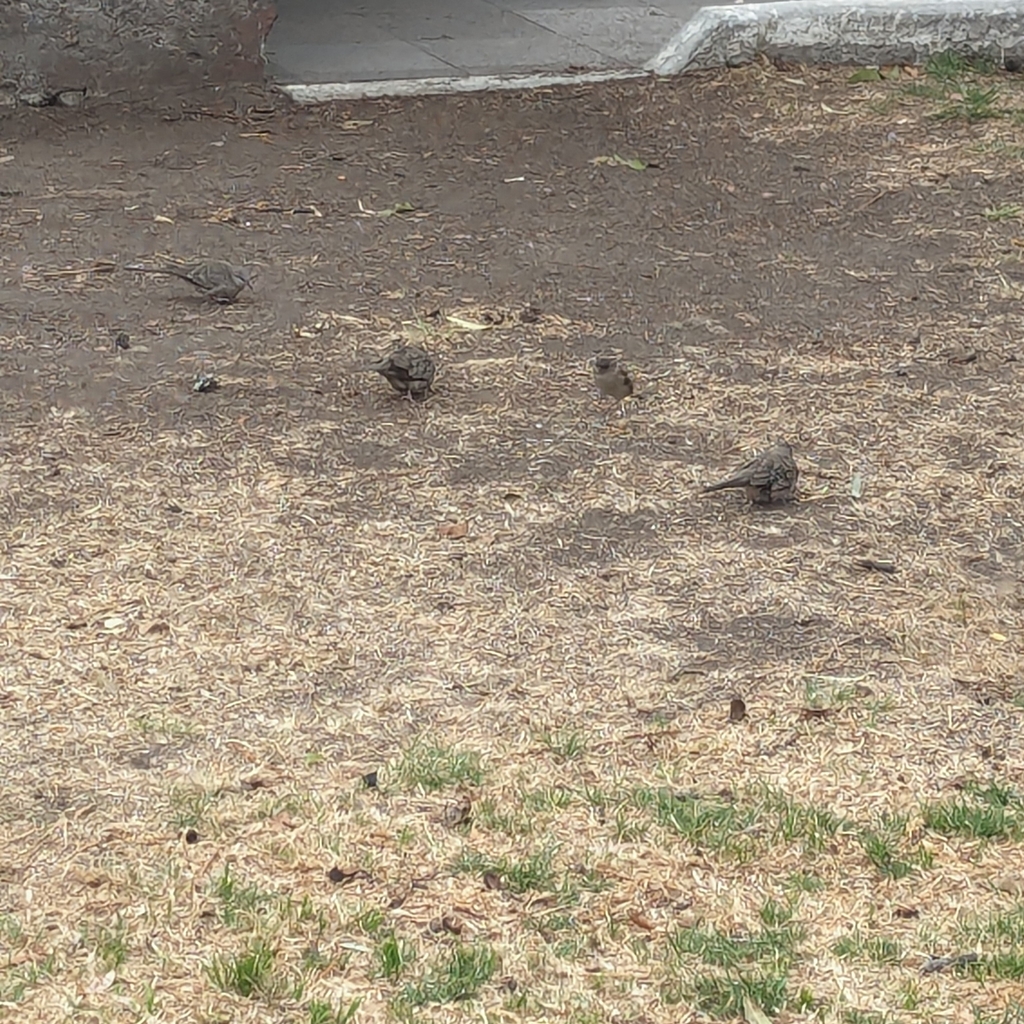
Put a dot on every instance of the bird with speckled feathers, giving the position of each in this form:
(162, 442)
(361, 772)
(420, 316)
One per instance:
(409, 370)
(612, 379)
(216, 279)
(769, 477)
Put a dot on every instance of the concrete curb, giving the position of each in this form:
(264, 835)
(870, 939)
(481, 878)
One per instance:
(842, 32)
(328, 91)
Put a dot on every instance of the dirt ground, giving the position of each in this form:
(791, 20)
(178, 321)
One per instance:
(221, 609)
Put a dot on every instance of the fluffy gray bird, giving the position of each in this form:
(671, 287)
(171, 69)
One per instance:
(409, 370)
(769, 477)
(217, 279)
(612, 380)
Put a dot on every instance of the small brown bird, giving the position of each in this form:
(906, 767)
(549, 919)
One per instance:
(409, 370)
(458, 813)
(612, 380)
(768, 478)
(217, 279)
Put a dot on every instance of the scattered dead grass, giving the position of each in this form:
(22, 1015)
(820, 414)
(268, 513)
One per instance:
(223, 611)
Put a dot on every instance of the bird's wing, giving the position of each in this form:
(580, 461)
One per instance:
(775, 469)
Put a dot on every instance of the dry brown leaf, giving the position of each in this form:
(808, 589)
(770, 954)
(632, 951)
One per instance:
(641, 921)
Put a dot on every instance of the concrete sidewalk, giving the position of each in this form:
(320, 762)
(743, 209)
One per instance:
(336, 49)
(319, 41)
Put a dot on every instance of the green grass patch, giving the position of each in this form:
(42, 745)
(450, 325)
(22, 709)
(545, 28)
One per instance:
(249, 974)
(992, 812)
(962, 88)
(239, 903)
(460, 975)
(742, 827)
(890, 850)
(533, 872)
(393, 955)
(1004, 211)
(110, 943)
(513, 821)
(1002, 937)
(321, 1012)
(567, 745)
(1012, 1014)
(430, 767)
(878, 949)
(753, 967)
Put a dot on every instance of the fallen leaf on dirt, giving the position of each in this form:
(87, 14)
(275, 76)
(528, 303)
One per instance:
(857, 485)
(810, 713)
(865, 75)
(832, 110)
(160, 219)
(453, 531)
(254, 782)
(451, 925)
(89, 877)
(907, 913)
(641, 921)
(492, 880)
(634, 164)
(391, 211)
(6, 159)
(342, 876)
(999, 637)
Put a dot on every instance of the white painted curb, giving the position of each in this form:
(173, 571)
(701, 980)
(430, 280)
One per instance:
(329, 91)
(841, 32)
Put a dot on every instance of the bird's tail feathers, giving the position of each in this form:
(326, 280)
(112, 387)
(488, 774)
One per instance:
(724, 485)
(173, 271)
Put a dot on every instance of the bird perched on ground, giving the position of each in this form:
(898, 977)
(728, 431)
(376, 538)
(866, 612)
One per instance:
(769, 477)
(612, 380)
(409, 370)
(217, 279)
